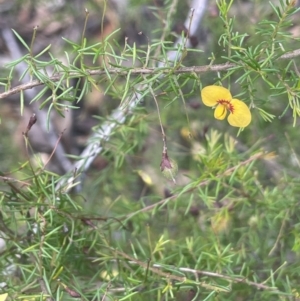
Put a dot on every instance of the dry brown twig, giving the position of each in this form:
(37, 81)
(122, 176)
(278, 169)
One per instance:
(156, 268)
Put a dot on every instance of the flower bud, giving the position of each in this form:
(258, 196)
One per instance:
(168, 167)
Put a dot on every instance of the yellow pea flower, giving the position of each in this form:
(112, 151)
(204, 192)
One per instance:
(220, 97)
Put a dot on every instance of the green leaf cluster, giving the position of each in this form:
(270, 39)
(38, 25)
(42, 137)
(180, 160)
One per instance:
(228, 228)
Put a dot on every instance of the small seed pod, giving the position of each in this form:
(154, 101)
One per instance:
(168, 167)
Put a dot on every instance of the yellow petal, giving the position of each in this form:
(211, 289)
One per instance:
(145, 177)
(3, 297)
(212, 94)
(240, 115)
(220, 112)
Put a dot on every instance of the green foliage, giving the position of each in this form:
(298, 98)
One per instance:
(228, 228)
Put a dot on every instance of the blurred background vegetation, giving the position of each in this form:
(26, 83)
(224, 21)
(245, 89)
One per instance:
(225, 228)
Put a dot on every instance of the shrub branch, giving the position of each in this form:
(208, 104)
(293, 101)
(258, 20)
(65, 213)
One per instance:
(135, 71)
